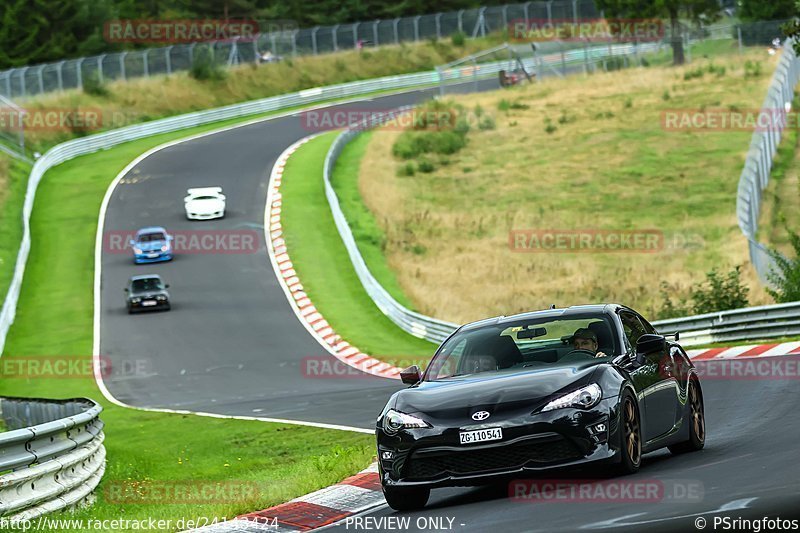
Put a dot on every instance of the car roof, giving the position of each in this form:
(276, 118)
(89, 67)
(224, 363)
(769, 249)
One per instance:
(151, 229)
(547, 313)
(204, 190)
(145, 276)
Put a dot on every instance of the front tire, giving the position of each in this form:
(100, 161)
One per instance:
(630, 431)
(697, 422)
(406, 498)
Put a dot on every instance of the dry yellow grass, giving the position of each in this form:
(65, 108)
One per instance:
(448, 231)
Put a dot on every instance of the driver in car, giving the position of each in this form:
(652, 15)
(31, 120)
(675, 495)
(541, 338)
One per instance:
(586, 339)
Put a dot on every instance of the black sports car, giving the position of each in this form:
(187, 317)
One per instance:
(145, 293)
(561, 387)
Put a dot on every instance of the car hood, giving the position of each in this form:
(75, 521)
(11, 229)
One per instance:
(205, 206)
(147, 294)
(152, 246)
(526, 389)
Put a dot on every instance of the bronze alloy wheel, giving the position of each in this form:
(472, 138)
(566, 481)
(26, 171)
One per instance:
(696, 406)
(633, 442)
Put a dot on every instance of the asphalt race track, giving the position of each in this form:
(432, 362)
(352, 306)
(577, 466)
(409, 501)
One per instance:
(231, 344)
(748, 469)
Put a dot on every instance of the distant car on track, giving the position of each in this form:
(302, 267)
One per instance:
(151, 245)
(561, 387)
(204, 203)
(146, 293)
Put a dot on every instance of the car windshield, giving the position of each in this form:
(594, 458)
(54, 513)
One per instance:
(147, 284)
(524, 344)
(206, 197)
(152, 237)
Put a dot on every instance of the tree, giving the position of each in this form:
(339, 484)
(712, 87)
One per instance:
(673, 10)
(753, 10)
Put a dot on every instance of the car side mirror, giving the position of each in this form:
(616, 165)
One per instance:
(125, 289)
(411, 375)
(649, 343)
(131, 242)
(166, 286)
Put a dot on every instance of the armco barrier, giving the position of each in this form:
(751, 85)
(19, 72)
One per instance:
(51, 455)
(86, 145)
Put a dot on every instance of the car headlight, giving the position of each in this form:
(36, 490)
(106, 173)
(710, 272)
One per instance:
(137, 250)
(161, 298)
(164, 248)
(583, 398)
(135, 300)
(394, 421)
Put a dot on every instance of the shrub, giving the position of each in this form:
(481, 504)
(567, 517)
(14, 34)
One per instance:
(666, 96)
(670, 309)
(426, 165)
(720, 293)
(204, 67)
(628, 103)
(550, 128)
(752, 69)
(93, 85)
(785, 277)
(406, 170)
(411, 144)
(458, 38)
(486, 122)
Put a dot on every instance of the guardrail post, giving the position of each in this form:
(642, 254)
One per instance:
(146, 65)
(79, 73)
(375, 39)
(549, 11)
(314, 31)
(334, 38)
(575, 11)
(416, 27)
(8, 82)
(355, 35)
(438, 20)
(41, 79)
(168, 59)
(122, 57)
(294, 42)
(100, 59)
(396, 23)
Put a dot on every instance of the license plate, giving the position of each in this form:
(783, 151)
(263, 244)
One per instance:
(148, 303)
(480, 435)
(151, 256)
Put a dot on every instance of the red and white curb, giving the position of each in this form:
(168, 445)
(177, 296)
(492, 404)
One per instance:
(304, 308)
(326, 506)
(750, 350)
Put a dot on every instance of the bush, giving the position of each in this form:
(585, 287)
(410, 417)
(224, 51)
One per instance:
(93, 85)
(550, 127)
(411, 144)
(786, 277)
(204, 67)
(486, 122)
(752, 69)
(458, 38)
(426, 165)
(670, 309)
(666, 96)
(406, 170)
(720, 293)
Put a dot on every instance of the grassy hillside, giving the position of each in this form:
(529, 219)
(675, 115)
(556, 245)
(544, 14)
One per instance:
(580, 153)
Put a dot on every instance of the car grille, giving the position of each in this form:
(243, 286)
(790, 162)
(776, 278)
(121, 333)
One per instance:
(466, 462)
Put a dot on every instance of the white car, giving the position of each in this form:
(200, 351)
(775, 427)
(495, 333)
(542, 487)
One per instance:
(205, 203)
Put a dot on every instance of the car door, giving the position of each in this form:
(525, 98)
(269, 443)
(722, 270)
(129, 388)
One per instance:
(653, 381)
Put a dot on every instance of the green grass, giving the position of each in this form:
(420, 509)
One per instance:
(14, 179)
(336, 292)
(55, 319)
(370, 238)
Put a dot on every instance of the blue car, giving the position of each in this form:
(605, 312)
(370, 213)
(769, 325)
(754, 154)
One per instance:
(152, 245)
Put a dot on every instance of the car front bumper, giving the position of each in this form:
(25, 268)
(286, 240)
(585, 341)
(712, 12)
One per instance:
(432, 457)
(209, 216)
(140, 306)
(146, 257)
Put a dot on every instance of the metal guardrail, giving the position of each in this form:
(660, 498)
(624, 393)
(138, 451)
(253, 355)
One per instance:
(760, 157)
(750, 323)
(51, 455)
